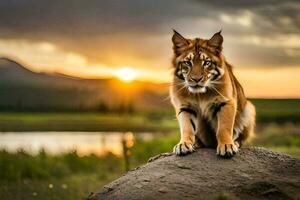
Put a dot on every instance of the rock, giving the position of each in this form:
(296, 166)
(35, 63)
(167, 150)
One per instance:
(254, 173)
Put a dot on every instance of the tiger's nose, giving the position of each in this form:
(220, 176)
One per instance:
(197, 79)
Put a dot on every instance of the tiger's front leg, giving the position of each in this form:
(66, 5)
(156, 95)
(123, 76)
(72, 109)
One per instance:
(186, 118)
(226, 117)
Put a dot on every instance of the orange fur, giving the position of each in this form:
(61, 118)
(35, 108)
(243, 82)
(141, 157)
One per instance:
(210, 104)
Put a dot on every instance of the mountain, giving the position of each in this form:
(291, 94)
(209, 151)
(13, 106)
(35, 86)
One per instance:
(23, 89)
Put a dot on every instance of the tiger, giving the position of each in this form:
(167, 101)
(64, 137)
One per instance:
(210, 104)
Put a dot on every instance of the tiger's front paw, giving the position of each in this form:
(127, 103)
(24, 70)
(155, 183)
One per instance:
(227, 150)
(183, 148)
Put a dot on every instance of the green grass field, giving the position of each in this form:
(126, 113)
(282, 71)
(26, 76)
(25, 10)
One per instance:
(277, 111)
(67, 176)
(85, 122)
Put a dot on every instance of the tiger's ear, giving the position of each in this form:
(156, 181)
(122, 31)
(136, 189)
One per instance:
(179, 42)
(216, 41)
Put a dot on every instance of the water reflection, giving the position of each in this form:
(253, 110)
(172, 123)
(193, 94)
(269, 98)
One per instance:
(84, 143)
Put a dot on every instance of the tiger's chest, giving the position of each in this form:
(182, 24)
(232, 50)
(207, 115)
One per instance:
(209, 109)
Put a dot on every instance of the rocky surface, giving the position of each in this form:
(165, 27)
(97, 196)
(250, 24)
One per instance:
(254, 173)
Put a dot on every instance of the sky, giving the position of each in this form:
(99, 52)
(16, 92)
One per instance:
(96, 39)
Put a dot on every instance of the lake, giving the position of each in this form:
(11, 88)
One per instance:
(84, 143)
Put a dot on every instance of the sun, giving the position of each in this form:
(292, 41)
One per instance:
(126, 74)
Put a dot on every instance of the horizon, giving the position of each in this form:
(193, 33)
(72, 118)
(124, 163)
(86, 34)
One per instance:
(115, 77)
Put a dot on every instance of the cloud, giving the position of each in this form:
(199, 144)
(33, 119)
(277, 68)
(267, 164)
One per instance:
(42, 54)
(243, 19)
(285, 41)
(137, 32)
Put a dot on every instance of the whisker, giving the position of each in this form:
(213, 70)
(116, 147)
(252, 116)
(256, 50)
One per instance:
(216, 82)
(177, 84)
(218, 92)
(172, 84)
(180, 89)
(167, 98)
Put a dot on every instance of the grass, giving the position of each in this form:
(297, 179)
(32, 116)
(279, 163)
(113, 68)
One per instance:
(277, 110)
(44, 176)
(70, 188)
(85, 122)
(282, 138)
(21, 165)
(155, 120)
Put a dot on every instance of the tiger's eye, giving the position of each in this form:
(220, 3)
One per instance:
(187, 63)
(186, 66)
(207, 62)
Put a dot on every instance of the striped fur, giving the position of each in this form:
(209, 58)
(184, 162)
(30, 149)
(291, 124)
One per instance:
(210, 104)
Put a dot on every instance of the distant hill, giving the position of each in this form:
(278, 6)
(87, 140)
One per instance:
(22, 89)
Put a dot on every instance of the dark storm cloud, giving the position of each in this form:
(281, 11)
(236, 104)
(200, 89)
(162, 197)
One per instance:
(104, 17)
(237, 4)
(275, 13)
(95, 28)
(98, 29)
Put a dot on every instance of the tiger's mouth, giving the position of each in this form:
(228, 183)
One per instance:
(197, 88)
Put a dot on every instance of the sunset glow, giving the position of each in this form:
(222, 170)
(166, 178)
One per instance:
(126, 74)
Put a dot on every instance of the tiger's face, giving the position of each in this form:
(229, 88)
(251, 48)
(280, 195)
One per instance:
(198, 65)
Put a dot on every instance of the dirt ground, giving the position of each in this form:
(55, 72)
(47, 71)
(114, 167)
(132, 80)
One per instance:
(254, 173)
